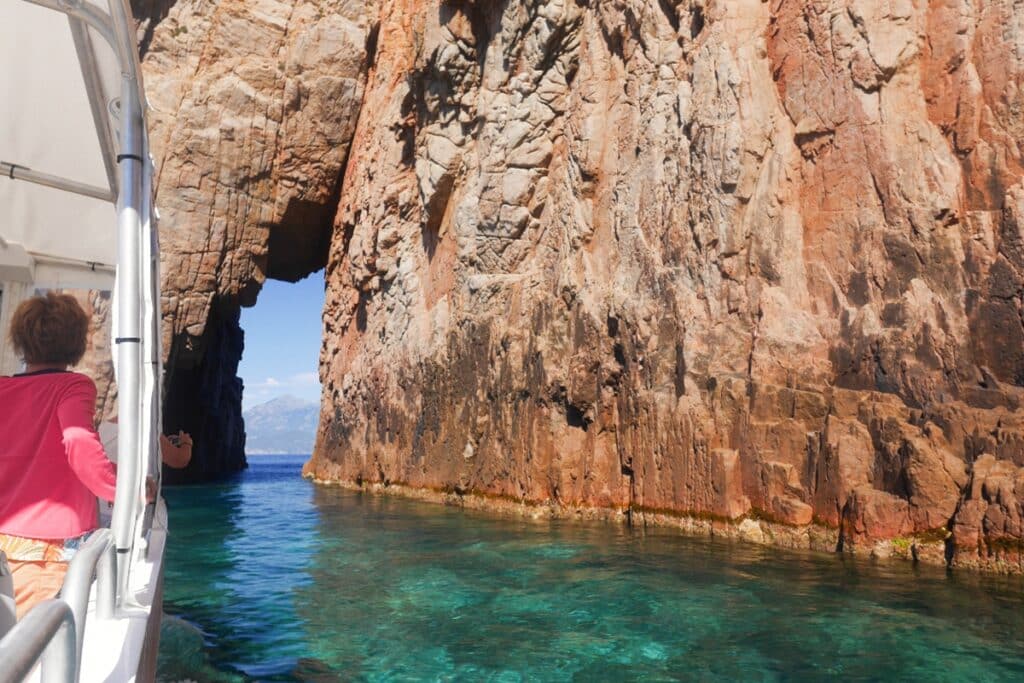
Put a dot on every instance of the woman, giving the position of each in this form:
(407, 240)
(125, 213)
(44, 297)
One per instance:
(52, 464)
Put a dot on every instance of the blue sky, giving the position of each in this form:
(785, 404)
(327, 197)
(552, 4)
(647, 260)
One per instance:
(282, 341)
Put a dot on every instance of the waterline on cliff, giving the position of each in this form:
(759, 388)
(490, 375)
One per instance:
(765, 532)
(291, 581)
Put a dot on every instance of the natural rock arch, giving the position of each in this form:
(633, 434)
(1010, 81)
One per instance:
(252, 114)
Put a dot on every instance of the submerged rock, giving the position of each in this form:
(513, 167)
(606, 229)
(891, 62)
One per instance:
(183, 655)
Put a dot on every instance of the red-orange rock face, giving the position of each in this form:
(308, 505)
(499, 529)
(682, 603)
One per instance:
(711, 258)
(252, 107)
(746, 261)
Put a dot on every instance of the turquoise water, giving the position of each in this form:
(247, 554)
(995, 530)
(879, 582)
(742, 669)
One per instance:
(274, 579)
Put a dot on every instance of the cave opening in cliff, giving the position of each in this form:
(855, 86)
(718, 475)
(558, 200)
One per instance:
(249, 385)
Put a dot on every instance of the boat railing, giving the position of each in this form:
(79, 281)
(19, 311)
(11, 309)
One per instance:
(97, 557)
(46, 635)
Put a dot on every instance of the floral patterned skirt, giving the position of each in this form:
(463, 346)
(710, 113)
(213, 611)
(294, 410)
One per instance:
(21, 549)
(38, 567)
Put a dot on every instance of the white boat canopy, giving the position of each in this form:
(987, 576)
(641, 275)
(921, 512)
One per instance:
(60, 86)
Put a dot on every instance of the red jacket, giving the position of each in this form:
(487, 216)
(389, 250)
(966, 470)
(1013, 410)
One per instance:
(52, 464)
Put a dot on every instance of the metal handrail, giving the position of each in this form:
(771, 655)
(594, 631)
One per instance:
(97, 557)
(8, 610)
(55, 629)
(46, 632)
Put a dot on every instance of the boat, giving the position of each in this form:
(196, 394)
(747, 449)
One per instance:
(77, 212)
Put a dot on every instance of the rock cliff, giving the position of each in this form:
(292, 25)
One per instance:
(753, 267)
(252, 107)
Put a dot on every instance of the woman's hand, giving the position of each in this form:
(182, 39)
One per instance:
(182, 439)
(176, 455)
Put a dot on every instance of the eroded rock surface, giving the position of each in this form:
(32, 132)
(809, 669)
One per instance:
(97, 362)
(753, 266)
(253, 106)
(723, 260)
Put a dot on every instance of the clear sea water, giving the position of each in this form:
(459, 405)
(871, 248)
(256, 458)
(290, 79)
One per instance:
(271, 578)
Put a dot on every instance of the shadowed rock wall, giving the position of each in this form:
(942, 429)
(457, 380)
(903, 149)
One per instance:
(702, 260)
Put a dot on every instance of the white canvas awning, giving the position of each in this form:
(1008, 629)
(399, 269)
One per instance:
(50, 126)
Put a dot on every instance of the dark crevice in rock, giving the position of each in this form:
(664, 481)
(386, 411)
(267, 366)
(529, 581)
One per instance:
(620, 356)
(204, 397)
(627, 471)
(361, 312)
(574, 417)
(405, 130)
(613, 326)
(680, 373)
(435, 212)
(372, 37)
(697, 22)
(670, 12)
(484, 18)
(843, 514)
(149, 14)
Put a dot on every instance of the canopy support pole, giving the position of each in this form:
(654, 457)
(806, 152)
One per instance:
(97, 98)
(128, 498)
(16, 172)
(97, 19)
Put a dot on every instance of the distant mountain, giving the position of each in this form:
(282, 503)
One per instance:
(282, 425)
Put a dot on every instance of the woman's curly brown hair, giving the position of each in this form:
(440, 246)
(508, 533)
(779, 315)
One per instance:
(51, 329)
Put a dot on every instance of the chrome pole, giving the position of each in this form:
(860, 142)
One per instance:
(128, 341)
(106, 582)
(90, 559)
